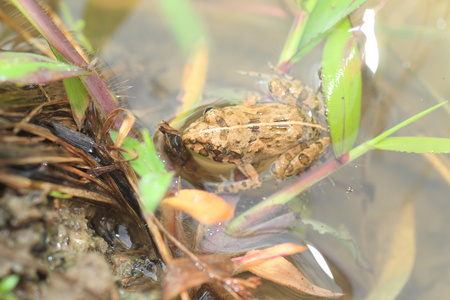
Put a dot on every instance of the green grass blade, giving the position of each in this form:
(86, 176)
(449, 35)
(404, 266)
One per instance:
(28, 68)
(415, 144)
(342, 83)
(321, 17)
(78, 98)
(98, 89)
(363, 148)
(76, 92)
(295, 35)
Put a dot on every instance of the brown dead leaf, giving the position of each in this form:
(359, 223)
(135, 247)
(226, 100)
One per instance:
(255, 257)
(183, 273)
(205, 207)
(281, 271)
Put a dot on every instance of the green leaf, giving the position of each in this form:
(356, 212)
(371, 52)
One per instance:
(148, 160)
(312, 25)
(341, 69)
(8, 283)
(296, 33)
(154, 178)
(29, 68)
(78, 98)
(76, 92)
(363, 148)
(415, 144)
(153, 187)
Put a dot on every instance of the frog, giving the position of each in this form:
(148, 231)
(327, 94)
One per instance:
(285, 130)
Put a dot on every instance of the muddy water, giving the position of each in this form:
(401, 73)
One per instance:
(371, 196)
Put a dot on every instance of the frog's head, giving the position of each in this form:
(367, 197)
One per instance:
(207, 135)
(205, 141)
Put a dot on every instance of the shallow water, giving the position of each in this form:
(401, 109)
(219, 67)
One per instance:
(367, 197)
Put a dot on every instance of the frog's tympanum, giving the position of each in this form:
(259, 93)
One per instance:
(286, 130)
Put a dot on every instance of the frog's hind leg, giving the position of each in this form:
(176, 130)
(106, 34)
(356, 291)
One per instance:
(249, 171)
(298, 159)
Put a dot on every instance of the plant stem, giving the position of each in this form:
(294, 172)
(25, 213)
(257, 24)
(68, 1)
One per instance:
(93, 83)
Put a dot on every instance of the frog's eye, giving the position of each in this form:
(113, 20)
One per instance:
(217, 152)
(207, 109)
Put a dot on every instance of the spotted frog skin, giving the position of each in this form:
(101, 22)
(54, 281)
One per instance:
(246, 134)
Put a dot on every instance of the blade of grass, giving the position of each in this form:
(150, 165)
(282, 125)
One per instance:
(78, 98)
(77, 94)
(312, 25)
(341, 69)
(295, 35)
(28, 68)
(363, 148)
(47, 28)
(329, 167)
(415, 144)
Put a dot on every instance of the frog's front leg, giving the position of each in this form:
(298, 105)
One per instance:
(298, 159)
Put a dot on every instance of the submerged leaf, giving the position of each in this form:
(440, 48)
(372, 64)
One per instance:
(205, 207)
(342, 236)
(255, 257)
(29, 68)
(194, 76)
(281, 271)
(415, 144)
(341, 69)
(183, 273)
(400, 258)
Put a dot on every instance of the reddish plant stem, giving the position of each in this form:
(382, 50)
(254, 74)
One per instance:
(94, 84)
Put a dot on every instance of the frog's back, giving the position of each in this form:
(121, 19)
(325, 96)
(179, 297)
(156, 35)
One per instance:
(250, 133)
